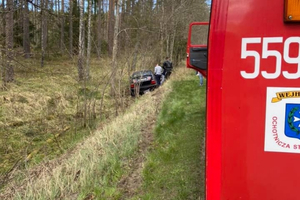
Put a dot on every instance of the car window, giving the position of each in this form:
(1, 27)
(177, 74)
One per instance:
(147, 73)
(141, 74)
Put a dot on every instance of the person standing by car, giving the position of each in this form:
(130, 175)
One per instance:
(168, 67)
(158, 72)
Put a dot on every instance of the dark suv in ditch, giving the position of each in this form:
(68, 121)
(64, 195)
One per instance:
(142, 82)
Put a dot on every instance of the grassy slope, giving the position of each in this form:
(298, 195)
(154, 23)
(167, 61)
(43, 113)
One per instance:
(175, 169)
(44, 102)
(94, 169)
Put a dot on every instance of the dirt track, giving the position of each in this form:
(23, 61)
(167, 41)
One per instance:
(131, 184)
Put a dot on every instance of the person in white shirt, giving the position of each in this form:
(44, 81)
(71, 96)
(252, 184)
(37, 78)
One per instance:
(158, 72)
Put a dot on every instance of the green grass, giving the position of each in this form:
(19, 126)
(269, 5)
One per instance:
(175, 168)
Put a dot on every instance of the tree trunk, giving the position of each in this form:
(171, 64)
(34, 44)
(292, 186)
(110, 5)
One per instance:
(122, 26)
(2, 18)
(36, 35)
(172, 44)
(71, 28)
(26, 39)
(111, 27)
(99, 29)
(135, 54)
(115, 40)
(168, 44)
(62, 28)
(114, 54)
(89, 40)
(173, 33)
(57, 7)
(105, 24)
(44, 6)
(2, 29)
(80, 66)
(161, 33)
(9, 70)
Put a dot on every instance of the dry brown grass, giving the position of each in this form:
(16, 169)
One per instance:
(68, 177)
(42, 106)
(45, 101)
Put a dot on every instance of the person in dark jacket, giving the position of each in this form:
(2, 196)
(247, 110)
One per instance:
(168, 67)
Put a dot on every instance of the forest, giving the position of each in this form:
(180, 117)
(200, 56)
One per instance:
(85, 29)
(65, 67)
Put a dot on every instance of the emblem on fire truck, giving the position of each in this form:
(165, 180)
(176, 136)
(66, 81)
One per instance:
(282, 123)
(292, 121)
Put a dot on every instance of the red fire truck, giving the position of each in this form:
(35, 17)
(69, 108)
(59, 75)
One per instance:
(252, 64)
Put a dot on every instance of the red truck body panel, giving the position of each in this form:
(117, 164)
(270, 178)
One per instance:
(253, 102)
